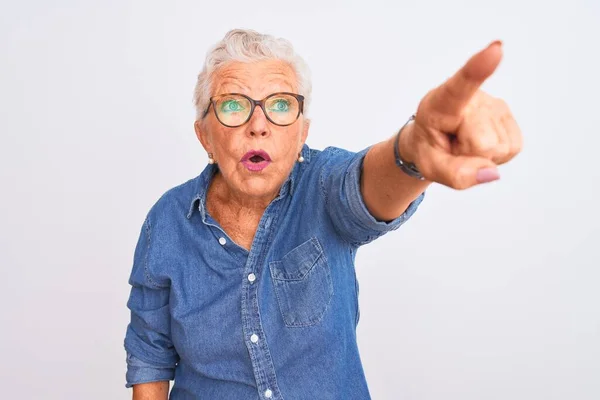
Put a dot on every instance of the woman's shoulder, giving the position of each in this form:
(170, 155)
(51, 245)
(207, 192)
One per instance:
(330, 154)
(323, 163)
(329, 151)
(332, 157)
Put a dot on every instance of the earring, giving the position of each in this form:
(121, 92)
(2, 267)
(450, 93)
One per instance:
(300, 158)
(211, 160)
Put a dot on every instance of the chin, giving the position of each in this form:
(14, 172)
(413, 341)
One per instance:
(260, 187)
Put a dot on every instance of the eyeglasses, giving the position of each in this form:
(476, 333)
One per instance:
(235, 109)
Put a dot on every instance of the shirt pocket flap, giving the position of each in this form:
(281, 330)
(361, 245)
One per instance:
(296, 264)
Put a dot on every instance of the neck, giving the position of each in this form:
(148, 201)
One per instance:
(237, 201)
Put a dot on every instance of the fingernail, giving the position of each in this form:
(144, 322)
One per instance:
(485, 175)
(496, 43)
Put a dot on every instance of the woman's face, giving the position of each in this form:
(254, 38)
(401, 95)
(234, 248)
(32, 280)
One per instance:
(231, 146)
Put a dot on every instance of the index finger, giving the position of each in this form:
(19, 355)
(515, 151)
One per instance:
(453, 95)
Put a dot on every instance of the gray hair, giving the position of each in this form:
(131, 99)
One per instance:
(245, 45)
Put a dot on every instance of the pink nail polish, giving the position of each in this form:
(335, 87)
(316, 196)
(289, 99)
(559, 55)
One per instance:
(485, 175)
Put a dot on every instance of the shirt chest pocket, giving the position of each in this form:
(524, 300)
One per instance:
(303, 284)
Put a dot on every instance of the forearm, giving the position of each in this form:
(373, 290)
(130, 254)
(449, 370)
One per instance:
(386, 189)
(151, 391)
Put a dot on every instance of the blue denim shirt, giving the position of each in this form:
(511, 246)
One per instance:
(276, 322)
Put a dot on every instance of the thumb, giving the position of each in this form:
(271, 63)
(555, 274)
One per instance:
(460, 172)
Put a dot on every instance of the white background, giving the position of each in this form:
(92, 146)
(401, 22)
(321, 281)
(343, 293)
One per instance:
(490, 293)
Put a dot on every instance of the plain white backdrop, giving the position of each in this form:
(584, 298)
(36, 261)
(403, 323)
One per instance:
(489, 293)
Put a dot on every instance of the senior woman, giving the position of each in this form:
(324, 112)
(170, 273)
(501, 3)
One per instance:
(243, 281)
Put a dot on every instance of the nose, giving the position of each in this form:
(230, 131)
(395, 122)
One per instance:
(258, 124)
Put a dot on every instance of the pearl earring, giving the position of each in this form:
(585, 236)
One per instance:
(300, 158)
(211, 160)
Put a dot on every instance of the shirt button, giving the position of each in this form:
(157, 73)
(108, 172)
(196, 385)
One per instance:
(222, 241)
(268, 393)
(251, 277)
(254, 338)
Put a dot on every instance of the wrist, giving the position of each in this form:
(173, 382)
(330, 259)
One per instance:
(406, 143)
(407, 165)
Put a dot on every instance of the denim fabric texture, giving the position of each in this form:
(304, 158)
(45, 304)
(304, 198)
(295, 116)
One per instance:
(276, 322)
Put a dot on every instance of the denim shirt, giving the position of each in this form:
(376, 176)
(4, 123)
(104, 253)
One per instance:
(276, 322)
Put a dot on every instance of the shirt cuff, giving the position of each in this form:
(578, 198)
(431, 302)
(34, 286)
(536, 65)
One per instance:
(359, 208)
(139, 371)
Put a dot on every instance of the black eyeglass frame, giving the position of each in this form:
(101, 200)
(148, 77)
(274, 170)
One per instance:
(253, 104)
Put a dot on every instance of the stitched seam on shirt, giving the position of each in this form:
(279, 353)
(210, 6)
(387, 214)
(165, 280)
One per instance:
(146, 268)
(322, 187)
(356, 288)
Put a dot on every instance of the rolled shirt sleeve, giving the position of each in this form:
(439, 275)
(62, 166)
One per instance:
(151, 355)
(340, 183)
(139, 371)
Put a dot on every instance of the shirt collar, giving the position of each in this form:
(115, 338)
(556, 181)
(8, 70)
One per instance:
(203, 180)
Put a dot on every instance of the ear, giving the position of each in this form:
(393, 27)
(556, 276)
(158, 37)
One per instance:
(202, 136)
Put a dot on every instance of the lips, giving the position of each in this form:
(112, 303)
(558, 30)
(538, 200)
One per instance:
(256, 160)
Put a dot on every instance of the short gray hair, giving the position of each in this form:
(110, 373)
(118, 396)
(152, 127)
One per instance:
(245, 45)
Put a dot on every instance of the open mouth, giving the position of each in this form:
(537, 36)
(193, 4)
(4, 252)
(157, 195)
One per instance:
(256, 160)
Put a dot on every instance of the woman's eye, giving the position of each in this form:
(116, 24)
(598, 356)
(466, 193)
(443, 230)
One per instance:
(231, 106)
(280, 105)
